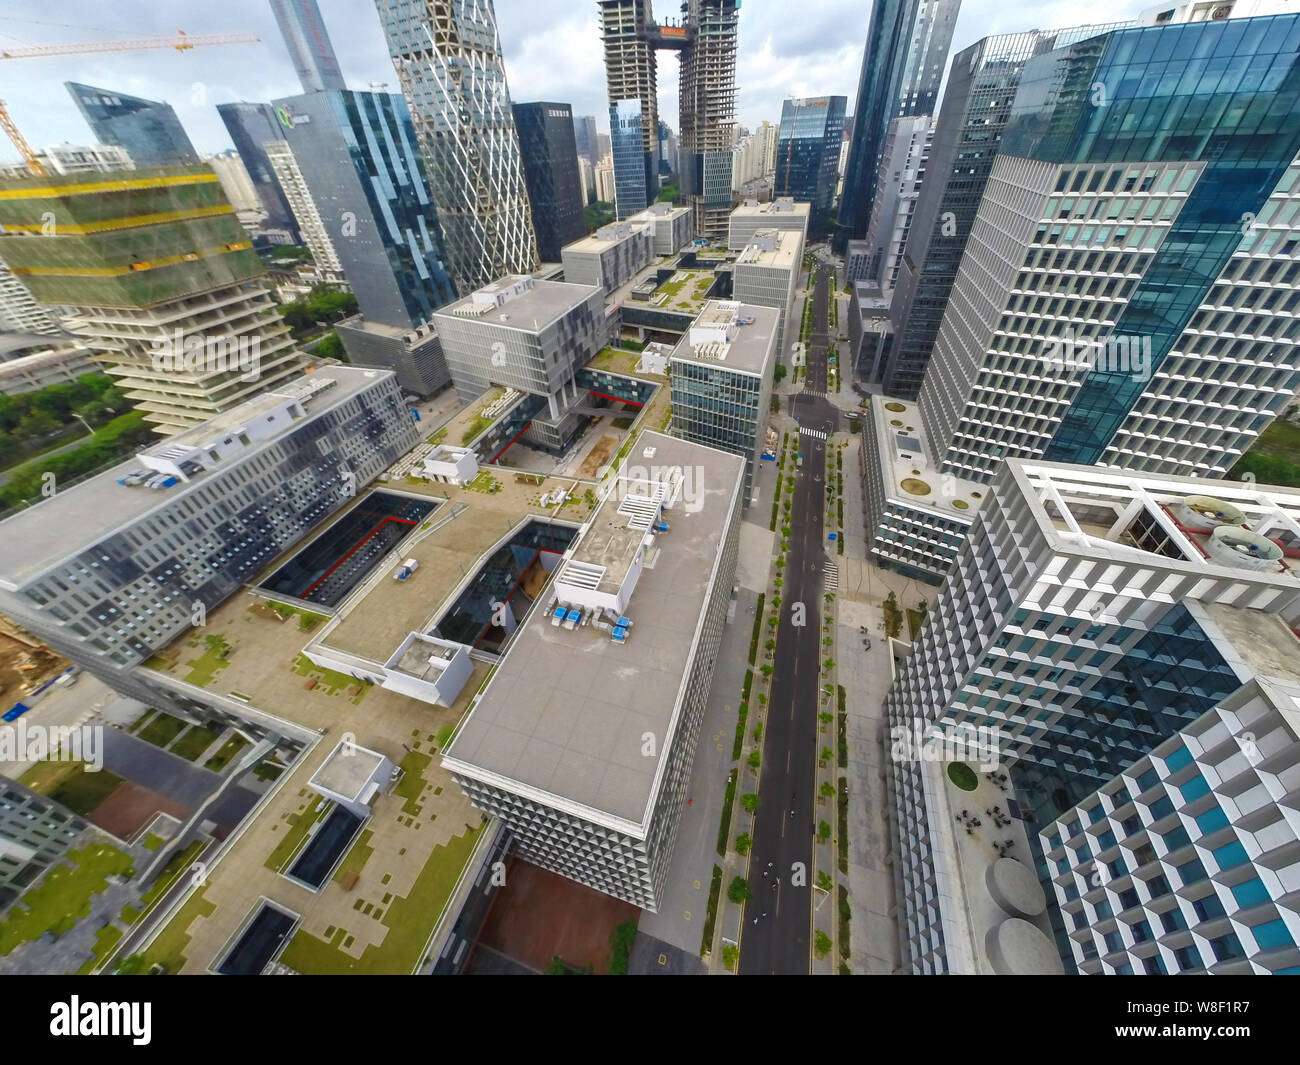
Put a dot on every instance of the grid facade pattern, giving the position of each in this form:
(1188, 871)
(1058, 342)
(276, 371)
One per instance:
(630, 71)
(722, 408)
(131, 591)
(808, 155)
(148, 130)
(293, 187)
(764, 284)
(34, 834)
(448, 59)
(611, 266)
(707, 95)
(903, 166)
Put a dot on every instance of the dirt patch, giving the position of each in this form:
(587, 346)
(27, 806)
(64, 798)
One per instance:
(25, 664)
(539, 915)
(598, 456)
(130, 807)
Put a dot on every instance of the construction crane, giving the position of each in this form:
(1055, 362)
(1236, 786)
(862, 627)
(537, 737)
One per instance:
(181, 42)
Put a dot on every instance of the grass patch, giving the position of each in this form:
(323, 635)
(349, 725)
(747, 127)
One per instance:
(298, 829)
(711, 916)
(724, 829)
(411, 786)
(196, 741)
(168, 948)
(842, 822)
(179, 863)
(475, 429)
(162, 729)
(330, 679)
(105, 940)
(152, 842)
(70, 784)
(963, 776)
(356, 858)
(225, 753)
(409, 921)
(63, 896)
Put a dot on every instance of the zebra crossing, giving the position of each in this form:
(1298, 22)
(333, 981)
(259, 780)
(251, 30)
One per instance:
(816, 434)
(831, 575)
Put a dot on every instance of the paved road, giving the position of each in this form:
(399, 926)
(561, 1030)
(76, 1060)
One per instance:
(783, 831)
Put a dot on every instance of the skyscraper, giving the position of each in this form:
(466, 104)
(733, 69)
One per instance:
(311, 225)
(448, 59)
(902, 68)
(976, 105)
(160, 270)
(705, 39)
(550, 159)
(309, 45)
(584, 137)
(251, 127)
(904, 162)
(807, 155)
(148, 129)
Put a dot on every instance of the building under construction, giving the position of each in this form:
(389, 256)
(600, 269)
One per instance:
(159, 278)
(705, 38)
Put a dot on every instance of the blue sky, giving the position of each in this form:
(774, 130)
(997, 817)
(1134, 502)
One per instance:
(552, 50)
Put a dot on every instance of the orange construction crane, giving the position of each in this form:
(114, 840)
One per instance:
(181, 42)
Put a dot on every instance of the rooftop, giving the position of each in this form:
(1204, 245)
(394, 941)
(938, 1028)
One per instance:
(566, 710)
(737, 335)
(781, 206)
(347, 770)
(76, 517)
(772, 247)
(907, 471)
(607, 237)
(530, 307)
(1265, 642)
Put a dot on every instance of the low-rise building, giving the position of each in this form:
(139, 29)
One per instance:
(611, 256)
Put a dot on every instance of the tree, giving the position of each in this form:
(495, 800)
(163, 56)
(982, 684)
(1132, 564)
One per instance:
(331, 347)
(750, 802)
(730, 955)
(821, 944)
(826, 755)
(755, 759)
(778, 374)
(743, 843)
(893, 616)
(770, 646)
(824, 880)
(620, 941)
(827, 789)
(823, 831)
(765, 669)
(738, 890)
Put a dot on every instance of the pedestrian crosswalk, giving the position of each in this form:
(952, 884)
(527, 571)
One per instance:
(816, 434)
(831, 576)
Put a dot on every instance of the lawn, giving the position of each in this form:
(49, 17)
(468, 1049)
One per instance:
(301, 825)
(1275, 458)
(204, 668)
(63, 897)
(71, 784)
(105, 940)
(152, 842)
(225, 753)
(179, 864)
(356, 857)
(411, 786)
(162, 729)
(196, 741)
(409, 921)
(331, 680)
(168, 947)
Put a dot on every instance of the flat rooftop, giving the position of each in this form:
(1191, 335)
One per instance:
(749, 349)
(595, 243)
(773, 208)
(529, 310)
(565, 711)
(347, 769)
(784, 256)
(1264, 641)
(74, 518)
(906, 468)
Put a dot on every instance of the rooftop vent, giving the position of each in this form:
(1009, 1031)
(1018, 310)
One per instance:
(1206, 512)
(1243, 549)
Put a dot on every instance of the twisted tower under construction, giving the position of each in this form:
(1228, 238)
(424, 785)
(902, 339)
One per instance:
(705, 37)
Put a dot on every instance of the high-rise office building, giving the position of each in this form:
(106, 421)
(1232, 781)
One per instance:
(668, 163)
(292, 186)
(902, 68)
(1108, 265)
(720, 374)
(35, 832)
(1113, 662)
(108, 571)
(902, 175)
(705, 39)
(550, 159)
(807, 155)
(766, 274)
(751, 216)
(448, 59)
(584, 138)
(235, 182)
(309, 45)
(605, 814)
(148, 130)
(152, 264)
(251, 128)
(967, 137)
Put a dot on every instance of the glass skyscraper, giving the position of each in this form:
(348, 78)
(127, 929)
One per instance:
(148, 129)
(902, 67)
(358, 156)
(550, 156)
(808, 154)
(634, 167)
(251, 126)
(309, 44)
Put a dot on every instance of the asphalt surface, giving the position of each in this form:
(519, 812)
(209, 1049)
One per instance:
(778, 918)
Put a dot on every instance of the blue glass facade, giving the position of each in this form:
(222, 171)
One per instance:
(148, 129)
(250, 126)
(808, 155)
(358, 155)
(1226, 94)
(634, 167)
(550, 157)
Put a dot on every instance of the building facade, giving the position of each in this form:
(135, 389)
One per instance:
(251, 128)
(766, 274)
(902, 67)
(902, 173)
(550, 158)
(611, 256)
(807, 155)
(448, 60)
(308, 42)
(310, 226)
(35, 832)
(147, 130)
(751, 216)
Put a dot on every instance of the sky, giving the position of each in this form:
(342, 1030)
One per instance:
(552, 50)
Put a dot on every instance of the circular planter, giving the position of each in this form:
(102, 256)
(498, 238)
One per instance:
(963, 776)
(897, 408)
